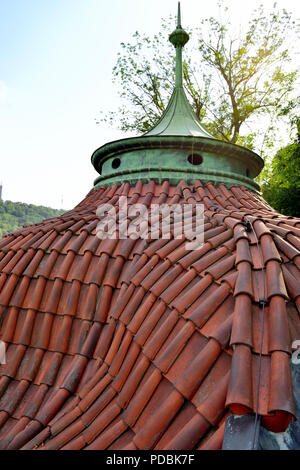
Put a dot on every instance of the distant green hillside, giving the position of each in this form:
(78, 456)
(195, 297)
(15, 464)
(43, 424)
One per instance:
(14, 215)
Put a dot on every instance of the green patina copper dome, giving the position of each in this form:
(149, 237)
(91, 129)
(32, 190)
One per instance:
(177, 147)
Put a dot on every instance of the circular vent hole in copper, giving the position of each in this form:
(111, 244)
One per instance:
(195, 159)
(116, 163)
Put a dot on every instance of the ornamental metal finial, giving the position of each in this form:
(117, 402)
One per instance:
(179, 38)
(178, 17)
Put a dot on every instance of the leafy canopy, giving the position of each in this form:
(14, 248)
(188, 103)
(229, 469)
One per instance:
(282, 189)
(14, 215)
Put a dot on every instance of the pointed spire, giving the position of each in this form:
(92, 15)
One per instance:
(169, 150)
(179, 38)
(179, 117)
(178, 17)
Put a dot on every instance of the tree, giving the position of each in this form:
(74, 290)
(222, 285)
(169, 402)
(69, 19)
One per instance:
(236, 79)
(282, 189)
(14, 215)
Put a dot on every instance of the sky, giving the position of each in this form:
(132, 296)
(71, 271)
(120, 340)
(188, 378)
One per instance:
(56, 60)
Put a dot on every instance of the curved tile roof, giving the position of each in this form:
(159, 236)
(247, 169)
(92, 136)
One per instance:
(140, 344)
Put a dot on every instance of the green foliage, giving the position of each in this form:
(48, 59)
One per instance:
(282, 186)
(14, 215)
(233, 81)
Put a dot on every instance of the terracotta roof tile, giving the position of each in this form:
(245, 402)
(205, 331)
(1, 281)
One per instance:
(281, 396)
(31, 430)
(243, 283)
(279, 335)
(274, 280)
(260, 228)
(241, 332)
(127, 344)
(186, 299)
(201, 314)
(293, 240)
(150, 279)
(212, 408)
(163, 282)
(191, 378)
(9, 436)
(124, 441)
(239, 395)
(49, 368)
(111, 433)
(126, 367)
(142, 396)
(169, 355)
(214, 441)
(153, 427)
(130, 386)
(210, 258)
(141, 313)
(9, 324)
(160, 333)
(222, 267)
(172, 291)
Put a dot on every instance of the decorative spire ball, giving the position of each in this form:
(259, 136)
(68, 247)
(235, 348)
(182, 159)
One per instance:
(179, 38)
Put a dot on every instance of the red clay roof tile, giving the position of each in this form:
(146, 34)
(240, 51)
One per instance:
(288, 249)
(160, 333)
(243, 251)
(31, 430)
(274, 280)
(150, 322)
(169, 355)
(163, 282)
(49, 368)
(279, 335)
(111, 433)
(9, 436)
(130, 386)
(172, 291)
(213, 407)
(70, 301)
(96, 393)
(239, 395)
(155, 274)
(8, 288)
(191, 378)
(153, 428)
(241, 332)
(141, 313)
(32, 401)
(49, 409)
(219, 269)
(210, 258)
(214, 440)
(9, 324)
(132, 305)
(201, 314)
(293, 240)
(243, 283)
(126, 367)
(142, 396)
(186, 299)
(281, 395)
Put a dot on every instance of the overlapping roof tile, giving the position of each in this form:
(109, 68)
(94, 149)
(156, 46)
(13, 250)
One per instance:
(142, 344)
